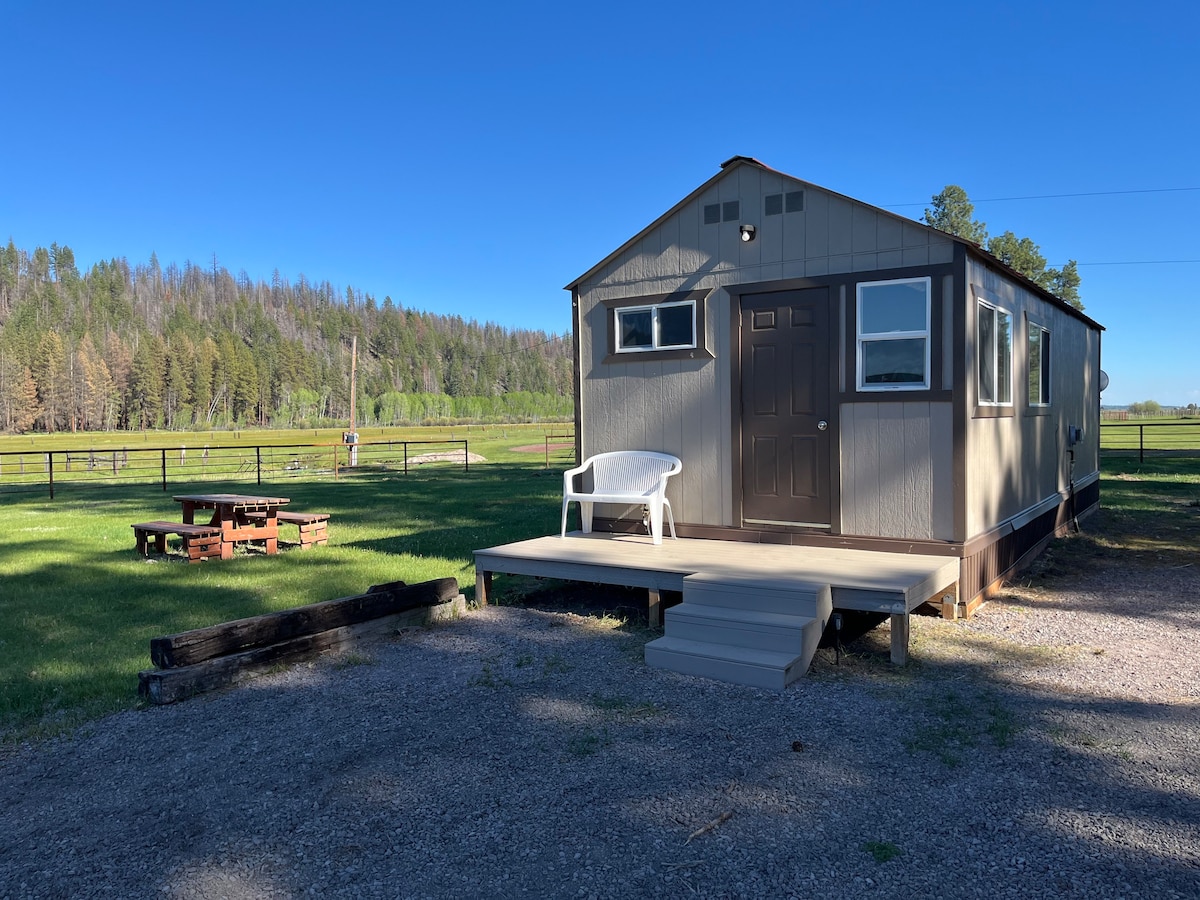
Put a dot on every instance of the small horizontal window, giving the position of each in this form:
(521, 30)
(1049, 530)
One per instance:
(661, 326)
(773, 204)
(712, 214)
(730, 211)
(794, 201)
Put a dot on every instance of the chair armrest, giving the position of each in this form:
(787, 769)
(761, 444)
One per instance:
(569, 477)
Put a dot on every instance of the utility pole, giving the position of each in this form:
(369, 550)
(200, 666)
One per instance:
(352, 434)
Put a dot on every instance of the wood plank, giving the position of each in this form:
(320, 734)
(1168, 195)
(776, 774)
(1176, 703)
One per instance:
(161, 686)
(191, 647)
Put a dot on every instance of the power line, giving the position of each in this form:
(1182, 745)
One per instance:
(1141, 262)
(1060, 196)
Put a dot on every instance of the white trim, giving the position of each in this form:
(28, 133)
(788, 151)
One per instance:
(879, 337)
(997, 311)
(655, 344)
(1045, 366)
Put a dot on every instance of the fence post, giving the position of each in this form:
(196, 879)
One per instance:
(466, 458)
(50, 470)
(406, 457)
(258, 462)
(163, 451)
(1141, 443)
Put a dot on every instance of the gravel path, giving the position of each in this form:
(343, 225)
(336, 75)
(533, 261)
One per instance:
(1047, 748)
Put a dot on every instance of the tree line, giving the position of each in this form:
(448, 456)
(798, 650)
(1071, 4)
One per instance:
(123, 347)
(954, 213)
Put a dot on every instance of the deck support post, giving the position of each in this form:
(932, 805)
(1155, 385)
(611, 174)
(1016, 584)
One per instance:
(483, 586)
(654, 616)
(900, 638)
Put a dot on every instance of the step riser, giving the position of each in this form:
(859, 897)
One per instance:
(791, 639)
(800, 603)
(774, 679)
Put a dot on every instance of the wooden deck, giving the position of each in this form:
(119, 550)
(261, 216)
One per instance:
(892, 583)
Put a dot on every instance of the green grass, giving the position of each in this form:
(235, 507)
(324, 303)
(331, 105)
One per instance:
(78, 606)
(1149, 515)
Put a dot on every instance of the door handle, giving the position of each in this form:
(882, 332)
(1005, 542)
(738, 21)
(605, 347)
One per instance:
(822, 425)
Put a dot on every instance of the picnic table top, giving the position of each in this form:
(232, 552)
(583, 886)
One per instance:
(236, 500)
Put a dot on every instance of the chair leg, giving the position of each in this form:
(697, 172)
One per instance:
(585, 515)
(656, 512)
(670, 517)
(564, 519)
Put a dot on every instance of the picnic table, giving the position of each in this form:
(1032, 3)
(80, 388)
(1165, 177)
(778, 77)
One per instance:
(240, 517)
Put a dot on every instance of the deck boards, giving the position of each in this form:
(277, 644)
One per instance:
(860, 579)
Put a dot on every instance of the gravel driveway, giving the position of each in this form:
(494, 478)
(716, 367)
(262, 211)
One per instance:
(1049, 747)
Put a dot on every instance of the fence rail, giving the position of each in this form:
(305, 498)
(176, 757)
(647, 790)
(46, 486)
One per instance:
(1150, 439)
(25, 471)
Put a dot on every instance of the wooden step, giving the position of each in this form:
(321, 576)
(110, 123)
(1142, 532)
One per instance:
(758, 593)
(738, 665)
(742, 627)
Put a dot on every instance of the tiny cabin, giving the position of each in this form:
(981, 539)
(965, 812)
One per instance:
(834, 375)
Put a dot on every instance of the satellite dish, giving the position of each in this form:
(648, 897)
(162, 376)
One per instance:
(1103, 380)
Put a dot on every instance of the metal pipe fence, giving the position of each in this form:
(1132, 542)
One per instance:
(47, 471)
(1144, 439)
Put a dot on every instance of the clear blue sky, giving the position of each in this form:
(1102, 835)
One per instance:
(473, 158)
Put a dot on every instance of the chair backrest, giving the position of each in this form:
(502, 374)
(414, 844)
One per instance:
(630, 470)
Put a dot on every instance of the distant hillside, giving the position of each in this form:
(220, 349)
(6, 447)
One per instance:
(122, 347)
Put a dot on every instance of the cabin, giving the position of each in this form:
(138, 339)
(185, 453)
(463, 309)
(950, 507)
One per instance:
(840, 383)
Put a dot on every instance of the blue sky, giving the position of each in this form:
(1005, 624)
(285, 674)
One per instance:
(473, 158)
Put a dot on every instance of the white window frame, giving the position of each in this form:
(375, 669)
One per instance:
(656, 344)
(993, 354)
(862, 338)
(1045, 351)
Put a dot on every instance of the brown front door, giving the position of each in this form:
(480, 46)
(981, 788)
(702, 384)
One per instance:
(785, 408)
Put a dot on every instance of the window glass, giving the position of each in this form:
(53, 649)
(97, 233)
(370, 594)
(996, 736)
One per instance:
(635, 329)
(994, 348)
(1039, 366)
(895, 306)
(661, 326)
(675, 325)
(893, 334)
(894, 362)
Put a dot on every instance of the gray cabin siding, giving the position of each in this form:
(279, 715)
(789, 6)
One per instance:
(1016, 462)
(685, 407)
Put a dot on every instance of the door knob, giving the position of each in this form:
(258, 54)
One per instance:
(822, 425)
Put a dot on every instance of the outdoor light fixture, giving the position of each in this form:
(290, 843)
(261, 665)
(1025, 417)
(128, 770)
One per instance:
(747, 233)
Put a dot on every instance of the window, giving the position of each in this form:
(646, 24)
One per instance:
(893, 335)
(1039, 365)
(660, 326)
(993, 346)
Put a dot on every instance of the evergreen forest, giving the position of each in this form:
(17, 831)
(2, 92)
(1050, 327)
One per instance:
(124, 348)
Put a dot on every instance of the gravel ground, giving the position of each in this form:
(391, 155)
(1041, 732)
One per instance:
(1048, 747)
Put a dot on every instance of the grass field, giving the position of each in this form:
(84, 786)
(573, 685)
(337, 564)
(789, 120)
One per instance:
(1172, 435)
(78, 607)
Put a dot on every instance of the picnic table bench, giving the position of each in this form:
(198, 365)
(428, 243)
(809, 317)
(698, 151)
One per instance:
(199, 541)
(313, 526)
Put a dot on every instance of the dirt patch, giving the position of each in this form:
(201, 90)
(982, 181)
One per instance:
(445, 456)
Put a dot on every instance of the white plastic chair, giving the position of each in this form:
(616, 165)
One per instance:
(637, 477)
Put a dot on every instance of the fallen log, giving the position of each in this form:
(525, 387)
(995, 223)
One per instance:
(191, 647)
(161, 686)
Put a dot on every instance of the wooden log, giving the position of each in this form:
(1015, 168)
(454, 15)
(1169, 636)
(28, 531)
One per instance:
(190, 647)
(161, 686)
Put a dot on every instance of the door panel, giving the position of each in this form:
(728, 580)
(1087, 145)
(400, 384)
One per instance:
(785, 383)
